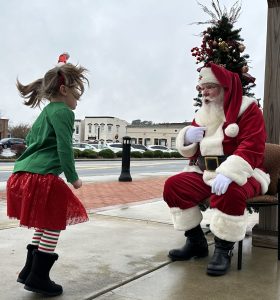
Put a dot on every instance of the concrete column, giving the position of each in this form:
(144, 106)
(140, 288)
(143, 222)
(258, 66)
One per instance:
(265, 234)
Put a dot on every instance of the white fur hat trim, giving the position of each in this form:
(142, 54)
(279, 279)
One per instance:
(232, 130)
(207, 76)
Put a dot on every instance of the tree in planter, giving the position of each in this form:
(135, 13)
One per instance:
(222, 45)
(19, 131)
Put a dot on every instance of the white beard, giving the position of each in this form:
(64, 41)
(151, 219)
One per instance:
(211, 114)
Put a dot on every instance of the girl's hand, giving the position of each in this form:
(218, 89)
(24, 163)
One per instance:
(77, 184)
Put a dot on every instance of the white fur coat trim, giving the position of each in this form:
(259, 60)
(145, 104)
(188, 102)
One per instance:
(263, 178)
(193, 168)
(185, 219)
(186, 151)
(227, 227)
(236, 168)
(212, 143)
(246, 101)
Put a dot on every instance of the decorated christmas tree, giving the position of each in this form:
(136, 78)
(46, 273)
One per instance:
(222, 44)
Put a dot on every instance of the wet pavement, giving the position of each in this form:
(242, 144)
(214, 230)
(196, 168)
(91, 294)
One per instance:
(121, 253)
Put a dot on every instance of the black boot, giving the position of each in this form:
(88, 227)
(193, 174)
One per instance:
(196, 246)
(220, 262)
(38, 280)
(27, 268)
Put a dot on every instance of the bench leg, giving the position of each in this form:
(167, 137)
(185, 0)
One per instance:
(239, 258)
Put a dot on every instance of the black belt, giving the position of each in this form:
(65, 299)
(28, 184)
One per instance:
(210, 163)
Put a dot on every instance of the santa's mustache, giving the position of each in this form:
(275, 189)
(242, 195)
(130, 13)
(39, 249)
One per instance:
(207, 100)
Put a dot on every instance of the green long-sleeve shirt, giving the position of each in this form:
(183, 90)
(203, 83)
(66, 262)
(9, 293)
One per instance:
(50, 143)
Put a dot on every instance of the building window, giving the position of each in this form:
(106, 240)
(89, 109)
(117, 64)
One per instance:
(77, 129)
(117, 127)
(96, 128)
(173, 142)
(147, 141)
(102, 126)
(89, 127)
(140, 141)
(109, 128)
(163, 142)
(155, 141)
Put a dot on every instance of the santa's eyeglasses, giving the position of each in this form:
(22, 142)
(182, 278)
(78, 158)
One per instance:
(207, 86)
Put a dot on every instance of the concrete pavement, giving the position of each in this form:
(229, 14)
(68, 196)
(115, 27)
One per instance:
(121, 254)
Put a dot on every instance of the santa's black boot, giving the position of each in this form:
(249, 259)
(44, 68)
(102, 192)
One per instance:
(27, 267)
(196, 246)
(38, 280)
(220, 261)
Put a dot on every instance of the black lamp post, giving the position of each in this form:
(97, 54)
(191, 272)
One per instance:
(125, 173)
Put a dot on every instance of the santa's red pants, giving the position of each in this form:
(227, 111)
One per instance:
(186, 190)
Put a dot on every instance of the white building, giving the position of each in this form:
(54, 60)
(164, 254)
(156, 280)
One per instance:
(103, 129)
(155, 134)
(107, 129)
(78, 134)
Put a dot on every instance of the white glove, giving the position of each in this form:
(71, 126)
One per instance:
(220, 184)
(194, 135)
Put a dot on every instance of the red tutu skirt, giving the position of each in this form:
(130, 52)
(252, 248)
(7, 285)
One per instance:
(43, 201)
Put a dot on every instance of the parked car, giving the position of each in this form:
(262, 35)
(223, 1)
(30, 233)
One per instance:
(84, 146)
(159, 147)
(117, 147)
(8, 142)
(139, 147)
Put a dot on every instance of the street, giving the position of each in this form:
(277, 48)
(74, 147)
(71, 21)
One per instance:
(103, 168)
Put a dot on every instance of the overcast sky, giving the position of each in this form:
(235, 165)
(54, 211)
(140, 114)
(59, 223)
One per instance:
(137, 52)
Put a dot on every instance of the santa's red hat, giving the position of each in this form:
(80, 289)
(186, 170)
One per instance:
(232, 93)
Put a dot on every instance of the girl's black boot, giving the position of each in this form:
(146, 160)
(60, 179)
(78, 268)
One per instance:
(23, 274)
(38, 280)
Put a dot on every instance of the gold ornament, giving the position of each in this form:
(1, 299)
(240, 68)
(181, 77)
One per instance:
(223, 46)
(241, 47)
(245, 69)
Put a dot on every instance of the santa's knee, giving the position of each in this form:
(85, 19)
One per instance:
(170, 192)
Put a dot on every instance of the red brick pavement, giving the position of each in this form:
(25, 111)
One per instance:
(101, 194)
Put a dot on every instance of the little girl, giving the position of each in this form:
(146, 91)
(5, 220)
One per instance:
(36, 195)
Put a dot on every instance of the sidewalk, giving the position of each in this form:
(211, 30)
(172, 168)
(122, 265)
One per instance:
(121, 253)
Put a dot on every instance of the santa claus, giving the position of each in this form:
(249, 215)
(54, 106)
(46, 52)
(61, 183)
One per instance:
(225, 146)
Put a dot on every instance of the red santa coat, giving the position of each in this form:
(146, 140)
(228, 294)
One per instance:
(243, 143)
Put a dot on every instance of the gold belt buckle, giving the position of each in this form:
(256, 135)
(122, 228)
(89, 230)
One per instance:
(208, 158)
